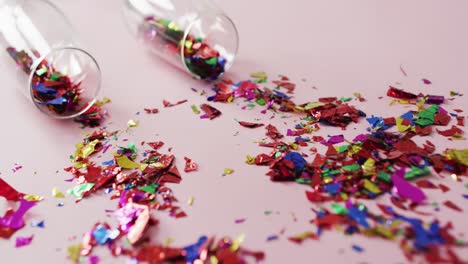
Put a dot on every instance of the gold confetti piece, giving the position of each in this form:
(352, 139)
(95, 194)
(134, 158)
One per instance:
(459, 155)
(236, 243)
(132, 123)
(33, 198)
(190, 201)
(74, 252)
(400, 126)
(250, 160)
(370, 186)
(227, 171)
(169, 240)
(85, 151)
(214, 260)
(126, 163)
(57, 194)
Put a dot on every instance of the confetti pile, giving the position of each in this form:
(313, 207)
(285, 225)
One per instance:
(200, 58)
(55, 93)
(140, 188)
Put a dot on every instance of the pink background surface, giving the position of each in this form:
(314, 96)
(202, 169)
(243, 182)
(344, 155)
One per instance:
(340, 47)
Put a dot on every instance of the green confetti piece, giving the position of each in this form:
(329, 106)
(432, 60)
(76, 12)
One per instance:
(268, 212)
(303, 181)
(195, 110)
(261, 101)
(466, 185)
(54, 77)
(354, 167)
(131, 146)
(416, 172)
(149, 188)
(211, 61)
(339, 209)
(78, 190)
(342, 149)
(41, 71)
(383, 176)
(345, 99)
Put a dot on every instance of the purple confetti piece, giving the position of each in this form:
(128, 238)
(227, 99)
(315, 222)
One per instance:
(361, 137)
(240, 221)
(426, 81)
(333, 140)
(93, 260)
(17, 168)
(272, 238)
(23, 241)
(15, 220)
(435, 99)
(405, 189)
(465, 196)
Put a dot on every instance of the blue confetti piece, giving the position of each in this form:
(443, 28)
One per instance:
(465, 196)
(408, 115)
(357, 248)
(424, 238)
(104, 235)
(298, 160)
(358, 216)
(57, 101)
(333, 188)
(108, 163)
(192, 251)
(39, 224)
(40, 88)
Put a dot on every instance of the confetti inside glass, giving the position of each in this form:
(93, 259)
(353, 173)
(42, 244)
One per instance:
(196, 36)
(40, 50)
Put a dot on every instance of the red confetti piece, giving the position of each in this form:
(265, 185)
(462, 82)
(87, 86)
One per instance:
(272, 132)
(426, 184)
(444, 187)
(151, 110)
(9, 192)
(190, 165)
(400, 94)
(250, 125)
(452, 205)
(210, 112)
(169, 104)
(450, 132)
